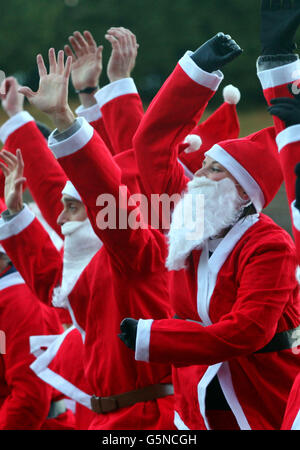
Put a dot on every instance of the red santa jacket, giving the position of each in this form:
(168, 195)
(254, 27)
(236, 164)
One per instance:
(25, 400)
(240, 297)
(133, 282)
(59, 362)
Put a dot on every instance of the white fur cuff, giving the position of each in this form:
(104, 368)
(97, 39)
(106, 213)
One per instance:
(143, 340)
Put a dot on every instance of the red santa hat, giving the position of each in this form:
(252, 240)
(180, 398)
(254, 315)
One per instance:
(253, 161)
(222, 124)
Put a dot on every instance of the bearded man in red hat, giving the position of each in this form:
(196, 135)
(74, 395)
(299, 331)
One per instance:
(230, 341)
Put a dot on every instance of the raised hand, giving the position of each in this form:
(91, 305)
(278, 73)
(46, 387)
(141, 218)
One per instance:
(287, 109)
(216, 52)
(13, 170)
(279, 23)
(12, 100)
(123, 55)
(86, 60)
(52, 95)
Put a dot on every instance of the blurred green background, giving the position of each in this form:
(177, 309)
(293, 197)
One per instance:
(165, 29)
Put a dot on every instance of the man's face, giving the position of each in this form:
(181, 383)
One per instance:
(73, 211)
(215, 171)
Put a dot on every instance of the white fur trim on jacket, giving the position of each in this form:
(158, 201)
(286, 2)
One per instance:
(15, 122)
(288, 136)
(91, 114)
(73, 143)
(206, 79)
(44, 358)
(143, 340)
(115, 89)
(279, 75)
(17, 224)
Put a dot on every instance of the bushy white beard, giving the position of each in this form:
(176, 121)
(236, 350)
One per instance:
(207, 208)
(80, 245)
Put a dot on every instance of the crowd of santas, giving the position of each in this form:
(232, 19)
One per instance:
(144, 328)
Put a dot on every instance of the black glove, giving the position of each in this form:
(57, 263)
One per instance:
(279, 22)
(128, 332)
(286, 108)
(297, 172)
(216, 52)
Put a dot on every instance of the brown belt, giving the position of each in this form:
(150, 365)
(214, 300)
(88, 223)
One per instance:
(103, 405)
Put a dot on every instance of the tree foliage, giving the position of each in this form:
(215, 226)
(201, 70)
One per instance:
(165, 29)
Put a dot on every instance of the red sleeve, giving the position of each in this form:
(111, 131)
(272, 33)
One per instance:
(99, 126)
(28, 403)
(244, 329)
(172, 114)
(36, 259)
(130, 248)
(275, 84)
(45, 177)
(121, 117)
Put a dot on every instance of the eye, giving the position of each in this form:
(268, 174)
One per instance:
(215, 169)
(73, 208)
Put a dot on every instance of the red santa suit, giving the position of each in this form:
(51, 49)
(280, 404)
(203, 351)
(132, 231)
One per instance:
(59, 362)
(241, 296)
(26, 402)
(133, 281)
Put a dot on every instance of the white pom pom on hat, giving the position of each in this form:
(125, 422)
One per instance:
(231, 94)
(194, 142)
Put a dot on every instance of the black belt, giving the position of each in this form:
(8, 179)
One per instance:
(281, 341)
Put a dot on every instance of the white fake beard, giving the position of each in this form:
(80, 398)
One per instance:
(197, 218)
(80, 245)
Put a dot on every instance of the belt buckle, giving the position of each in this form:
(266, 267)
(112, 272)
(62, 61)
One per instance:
(103, 405)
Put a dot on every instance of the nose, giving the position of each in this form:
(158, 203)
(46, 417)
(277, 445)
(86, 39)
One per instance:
(201, 172)
(61, 218)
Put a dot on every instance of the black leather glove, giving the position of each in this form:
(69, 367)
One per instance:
(297, 172)
(128, 332)
(216, 52)
(286, 108)
(279, 22)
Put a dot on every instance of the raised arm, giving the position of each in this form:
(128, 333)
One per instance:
(26, 242)
(120, 103)
(91, 168)
(85, 74)
(176, 110)
(114, 110)
(44, 175)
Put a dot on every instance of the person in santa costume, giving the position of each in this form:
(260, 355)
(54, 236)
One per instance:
(26, 402)
(80, 242)
(126, 274)
(230, 340)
